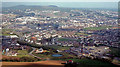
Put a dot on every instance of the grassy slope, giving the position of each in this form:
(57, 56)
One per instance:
(92, 63)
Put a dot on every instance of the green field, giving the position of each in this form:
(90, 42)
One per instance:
(65, 39)
(97, 28)
(7, 29)
(23, 53)
(6, 32)
(42, 55)
(59, 47)
(115, 51)
(81, 34)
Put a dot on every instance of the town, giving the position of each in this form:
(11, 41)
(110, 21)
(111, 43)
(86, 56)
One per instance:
(59, 33)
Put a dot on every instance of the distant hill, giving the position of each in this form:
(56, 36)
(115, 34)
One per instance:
(30, 6)
(15, 9)
(34, 7)
(53, 6)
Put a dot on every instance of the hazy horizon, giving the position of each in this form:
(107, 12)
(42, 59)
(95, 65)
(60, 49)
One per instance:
(111, 5)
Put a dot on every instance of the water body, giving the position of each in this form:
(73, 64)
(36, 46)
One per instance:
(57, 55)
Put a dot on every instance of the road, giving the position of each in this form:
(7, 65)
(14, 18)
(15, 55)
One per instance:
(32, 52)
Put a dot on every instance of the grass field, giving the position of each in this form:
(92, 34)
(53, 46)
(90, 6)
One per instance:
(23, 53)
(115, 51)
(7, 29)
(97, 28)
(65, 39)
(59, 47)
(6, 32)
(81, 34)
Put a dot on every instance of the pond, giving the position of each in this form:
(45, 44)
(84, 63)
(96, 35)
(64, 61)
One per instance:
(57, 55)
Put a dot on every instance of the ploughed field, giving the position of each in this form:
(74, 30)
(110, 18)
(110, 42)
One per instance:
(50, 63)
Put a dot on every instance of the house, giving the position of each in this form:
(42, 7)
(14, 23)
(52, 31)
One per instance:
(39, 50)
(11, 53)
(13, 36)
(59, 51)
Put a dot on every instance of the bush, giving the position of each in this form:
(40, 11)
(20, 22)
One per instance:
(13, 59)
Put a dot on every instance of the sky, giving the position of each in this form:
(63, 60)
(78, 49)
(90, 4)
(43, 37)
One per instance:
(60, 0)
